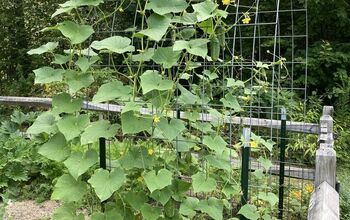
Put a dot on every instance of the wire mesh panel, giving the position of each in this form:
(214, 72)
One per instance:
(228, 60)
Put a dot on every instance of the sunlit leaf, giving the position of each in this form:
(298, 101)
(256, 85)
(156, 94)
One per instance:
(76, 33)
(48, 75)
(202, 183)
(78, 163)
(56, 148)
(49, 47)
(111, 91)
(97, 130)
(162, 7)
(114, 44)
(152, 80)
(68, 189)
(107, 182)
(157, 26)
(166, 56)
(196, 47)
(158, 181)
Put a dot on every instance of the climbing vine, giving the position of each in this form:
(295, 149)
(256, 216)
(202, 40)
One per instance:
(149, 179)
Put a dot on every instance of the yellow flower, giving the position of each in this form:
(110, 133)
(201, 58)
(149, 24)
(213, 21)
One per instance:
(253, 144)
(296, 194)
(309, 188)
(245, 98)
(196, 148)
(226, 2)
(121, 153)
(150, 151)
(156, 119)
(140, 179)
(246, 20)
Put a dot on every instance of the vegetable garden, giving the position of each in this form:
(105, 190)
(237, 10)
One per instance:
(172, 110)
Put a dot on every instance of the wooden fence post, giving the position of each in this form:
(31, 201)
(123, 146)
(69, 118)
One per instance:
(324, 201)
(325, 154)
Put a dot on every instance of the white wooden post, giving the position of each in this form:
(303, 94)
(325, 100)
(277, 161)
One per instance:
(324, 201)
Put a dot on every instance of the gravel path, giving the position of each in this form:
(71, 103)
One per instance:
(30, 210)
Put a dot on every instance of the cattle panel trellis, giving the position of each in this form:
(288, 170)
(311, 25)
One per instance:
(325, 181)
(252, 87)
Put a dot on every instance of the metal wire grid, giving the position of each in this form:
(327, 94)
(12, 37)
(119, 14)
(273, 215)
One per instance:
(265, 39)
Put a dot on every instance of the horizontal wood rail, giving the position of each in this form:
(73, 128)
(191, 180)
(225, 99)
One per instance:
(300, 127)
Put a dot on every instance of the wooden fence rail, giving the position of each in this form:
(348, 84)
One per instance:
(300, 127)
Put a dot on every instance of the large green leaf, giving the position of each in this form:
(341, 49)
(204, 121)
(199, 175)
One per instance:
(133, 124)
(196, 47)
(77, 80)
(111, 91)
(84, 63)
(187, 97)
(189, 206)
(49, 47)
(152, 80)
(97, 130)
(136, 199)
(106, 183)
(249, 211)
(162, 7)
(266, 163)
(71, 126)
(157, 26)
(79, 3)
(186, 18)
(172, 129)
(67, 211)
(48, 75)
(68, 189)
(136, 158)
(76, 33)
(162, 195)
(269, 197)
(166, 56)
(63, 103)
(46, 122)
(61, 59)
(56, 148)
(213, 207)
(158, 181)
(150, 213)
(79, 163)
(217, 143)
(143, 56)
(201, 183)
(113, 214)
(230, 101)
(204, 10)
(114, 44)
(72, 4)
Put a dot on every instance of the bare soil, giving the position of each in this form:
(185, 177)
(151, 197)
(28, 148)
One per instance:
(30, 210)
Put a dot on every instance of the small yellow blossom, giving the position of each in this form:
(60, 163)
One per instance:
(296, 194)
(121, 153)
(196, 148)
(150, 151)
(253, 144)
(309, 188)
(121, 10)
(140, 179)
(246, 98)
(259, 202)
(156, 119)
(246, 19)
(226, 2)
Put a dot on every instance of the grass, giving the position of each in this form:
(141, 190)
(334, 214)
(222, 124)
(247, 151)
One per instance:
(344, 178)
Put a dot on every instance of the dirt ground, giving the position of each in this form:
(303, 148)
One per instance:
(30, 210)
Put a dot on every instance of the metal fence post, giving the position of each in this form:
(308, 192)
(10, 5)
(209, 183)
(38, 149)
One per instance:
(283, 143)
(102, 147)
(245, 167)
